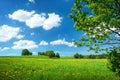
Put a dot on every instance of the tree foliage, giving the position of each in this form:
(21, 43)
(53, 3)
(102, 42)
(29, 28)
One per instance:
(41, 53)
(49, 53)
(30, 53)
(57, 55)
(81, 56)
(91, 56)
(76, 55)
(114, 60)
(100, 20)
(26, 52)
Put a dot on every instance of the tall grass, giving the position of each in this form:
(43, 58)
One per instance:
(43, 68)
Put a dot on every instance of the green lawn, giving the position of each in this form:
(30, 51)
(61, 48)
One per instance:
(43, 68)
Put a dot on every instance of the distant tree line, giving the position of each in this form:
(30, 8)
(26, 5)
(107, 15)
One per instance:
(49, 53)
(91, 56)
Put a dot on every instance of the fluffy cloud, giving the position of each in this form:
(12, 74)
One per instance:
(19, 36)
(36, 20)
(33, 20)
(21, 15)
(52, 21)
(62, 42)
(21, 44)
(43, 43)
(8, 32)
(32, 1)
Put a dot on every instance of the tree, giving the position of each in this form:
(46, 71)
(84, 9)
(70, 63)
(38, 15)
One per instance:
(50, 53)
(81, 56)
(41, 53)
(102, 56)
(57, 55)
(100, 20)
(26, 52)
(91, 56)
(76, 55)
(30, 53)
(114, 60)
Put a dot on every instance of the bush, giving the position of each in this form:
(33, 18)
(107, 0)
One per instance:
(57, 55)
(114, 60)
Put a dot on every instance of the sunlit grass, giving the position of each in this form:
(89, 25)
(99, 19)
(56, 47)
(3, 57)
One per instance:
(43, 68)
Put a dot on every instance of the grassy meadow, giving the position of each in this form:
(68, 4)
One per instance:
(43, 68)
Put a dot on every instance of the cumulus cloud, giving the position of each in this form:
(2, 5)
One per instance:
(43, 43)
(62, 42)
(32, 1)
(19, 36)
(52, 21)
(5, 48)
(21, 15)
(36, 20)
(33, 20)
(8, 32)
(22, 44)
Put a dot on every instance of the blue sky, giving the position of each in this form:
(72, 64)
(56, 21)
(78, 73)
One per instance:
(37, 25)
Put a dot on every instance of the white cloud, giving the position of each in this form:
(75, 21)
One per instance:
(62, 42)
(21, 44)
(52, 21)
(32, 1)
(36, 20)
(5, 48)
(8, 32)
(43, 43)
(33, 20)
(19, 36)
(21, 15)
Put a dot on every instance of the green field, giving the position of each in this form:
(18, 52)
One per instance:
(43, 68)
